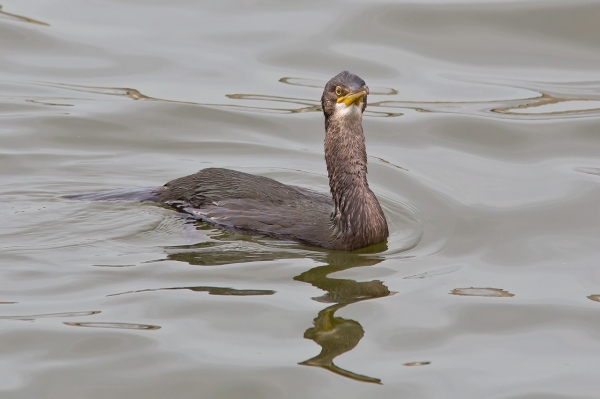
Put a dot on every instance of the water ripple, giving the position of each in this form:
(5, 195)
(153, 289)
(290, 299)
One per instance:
(432, 273)
(595, 297)
(485, 292)
(225, 291)
(122, 326)
(412, 364)
(589, 171)
(542, 106)
(21, 18)
(47, 315)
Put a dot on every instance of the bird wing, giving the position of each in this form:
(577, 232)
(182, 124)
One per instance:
(239, 200)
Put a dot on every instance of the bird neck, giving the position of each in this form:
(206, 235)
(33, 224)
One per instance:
(346, 159)
(357, 217)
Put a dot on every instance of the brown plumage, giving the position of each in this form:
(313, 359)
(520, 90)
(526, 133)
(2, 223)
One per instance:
(350, 218)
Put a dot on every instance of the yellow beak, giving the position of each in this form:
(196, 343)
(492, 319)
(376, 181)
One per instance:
(353, 98)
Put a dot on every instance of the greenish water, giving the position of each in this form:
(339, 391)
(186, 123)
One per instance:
(483, 135)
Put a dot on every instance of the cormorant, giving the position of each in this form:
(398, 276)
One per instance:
(350, 218)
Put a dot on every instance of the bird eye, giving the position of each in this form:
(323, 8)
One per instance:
(338, 91)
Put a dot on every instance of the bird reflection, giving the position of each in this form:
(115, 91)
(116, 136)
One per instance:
(335, 335)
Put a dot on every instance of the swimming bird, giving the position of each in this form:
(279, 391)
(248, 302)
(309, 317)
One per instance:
(347, 219)
(350, 218)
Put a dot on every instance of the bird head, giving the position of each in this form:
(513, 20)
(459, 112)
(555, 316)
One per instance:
(345, 95)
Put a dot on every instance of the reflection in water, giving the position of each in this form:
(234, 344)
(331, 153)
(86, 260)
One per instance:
(302, 105)
(42, 316)
(319, 84)
(488, 292)
(114, 265)
(122, 326)
(387, 162)
(215, 254)
(431, 273)
(542, 106)
(51, 103)
(307, 105)
(211, 291)
(595, 297)
(335, 335)
(589, 171)
(109, 91)
(230, 246)
(412, 364)
(21, 18)
(550, 105)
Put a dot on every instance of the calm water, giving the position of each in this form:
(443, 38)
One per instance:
(483, 134)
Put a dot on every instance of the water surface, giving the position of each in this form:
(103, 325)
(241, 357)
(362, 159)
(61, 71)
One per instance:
(483, 140)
